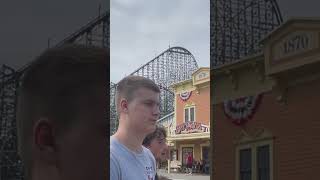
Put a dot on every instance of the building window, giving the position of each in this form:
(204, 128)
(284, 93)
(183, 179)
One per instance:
(186, 115)
(263, 162)
(245, 164)
(189, 114)
(254, 161)
(173, 155)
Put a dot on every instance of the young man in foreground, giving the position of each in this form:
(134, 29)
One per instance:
(61, 115)
(138, 103)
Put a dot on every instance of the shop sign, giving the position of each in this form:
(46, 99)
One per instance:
(191, 127)
(295, 43)
(202, 75)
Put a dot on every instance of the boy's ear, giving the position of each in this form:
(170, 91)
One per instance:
(44, 140)
(124, 105)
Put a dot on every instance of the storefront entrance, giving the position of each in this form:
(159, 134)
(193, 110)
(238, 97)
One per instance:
(185, 153)
(205, 153)
(205, 159)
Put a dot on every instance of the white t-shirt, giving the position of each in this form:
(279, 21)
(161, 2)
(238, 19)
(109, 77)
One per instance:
(128, 165)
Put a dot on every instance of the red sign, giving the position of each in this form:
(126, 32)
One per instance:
(191, 127)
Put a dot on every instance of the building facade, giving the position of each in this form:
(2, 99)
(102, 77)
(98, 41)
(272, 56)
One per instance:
(265, 108)
(189, 124)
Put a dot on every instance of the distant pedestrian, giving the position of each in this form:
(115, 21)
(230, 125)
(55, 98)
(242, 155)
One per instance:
(189, 162)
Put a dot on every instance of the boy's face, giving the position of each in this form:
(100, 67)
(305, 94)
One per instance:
(159, 148)
(82, 150)
(143, 110)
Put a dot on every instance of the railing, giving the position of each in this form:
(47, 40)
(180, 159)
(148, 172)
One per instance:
(168, 122)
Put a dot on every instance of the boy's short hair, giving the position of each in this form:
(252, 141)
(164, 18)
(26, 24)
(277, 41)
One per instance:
(128, 85)
(158, 133)
(51, 86)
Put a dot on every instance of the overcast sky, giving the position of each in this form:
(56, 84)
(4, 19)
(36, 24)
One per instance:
(27, 25)
(142, 29)
(299, 8)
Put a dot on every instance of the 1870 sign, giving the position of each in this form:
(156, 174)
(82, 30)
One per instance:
(294, 44)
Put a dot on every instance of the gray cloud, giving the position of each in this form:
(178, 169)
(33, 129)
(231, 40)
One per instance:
(142, 30)
(27, 25)
(299, 8)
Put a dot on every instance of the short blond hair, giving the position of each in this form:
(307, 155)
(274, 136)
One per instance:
(51, 84)
(128, 85)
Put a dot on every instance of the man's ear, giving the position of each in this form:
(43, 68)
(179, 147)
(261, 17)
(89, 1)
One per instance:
(44, 141)
(124, 105)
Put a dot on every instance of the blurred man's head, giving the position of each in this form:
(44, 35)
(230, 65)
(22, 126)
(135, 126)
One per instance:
(61, 114)
(138, 100)
(156, 142)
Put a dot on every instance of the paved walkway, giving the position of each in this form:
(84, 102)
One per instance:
(181, 176)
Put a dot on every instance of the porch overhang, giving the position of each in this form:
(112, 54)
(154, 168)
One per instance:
(190, 136)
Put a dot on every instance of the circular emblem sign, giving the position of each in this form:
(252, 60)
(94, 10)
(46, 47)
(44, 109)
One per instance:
(242, 109)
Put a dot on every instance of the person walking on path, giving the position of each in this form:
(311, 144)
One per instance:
(189, 162)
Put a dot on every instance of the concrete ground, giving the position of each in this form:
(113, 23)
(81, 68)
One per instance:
(183, 176)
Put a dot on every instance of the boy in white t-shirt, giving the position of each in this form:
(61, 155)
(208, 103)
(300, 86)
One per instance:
(137, 100)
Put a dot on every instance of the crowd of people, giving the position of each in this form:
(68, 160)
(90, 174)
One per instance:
(198, 166)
